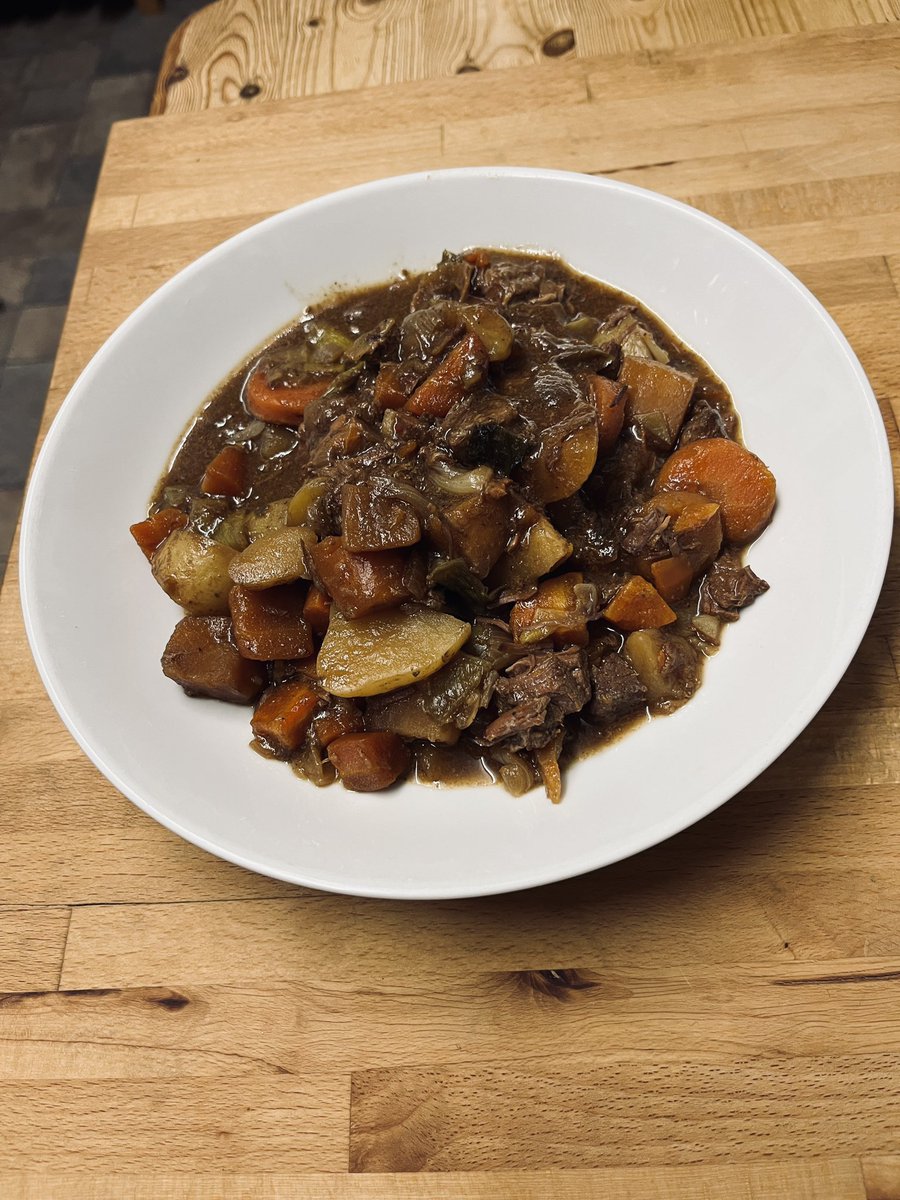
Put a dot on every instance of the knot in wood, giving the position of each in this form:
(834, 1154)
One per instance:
(559, 43)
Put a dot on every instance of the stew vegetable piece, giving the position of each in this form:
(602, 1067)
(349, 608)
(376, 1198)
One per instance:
(477, 519)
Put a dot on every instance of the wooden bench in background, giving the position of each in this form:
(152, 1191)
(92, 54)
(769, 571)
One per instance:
(234, 51)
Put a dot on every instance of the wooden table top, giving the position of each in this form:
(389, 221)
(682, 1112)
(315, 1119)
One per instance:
(717, 1017)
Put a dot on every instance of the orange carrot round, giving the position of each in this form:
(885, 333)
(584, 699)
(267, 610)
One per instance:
(281, 404)
(729, 474)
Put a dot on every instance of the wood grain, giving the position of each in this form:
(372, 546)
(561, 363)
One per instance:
(239, 52)
(577, 1113)
(32, 942)
(882, 1177)
(291, 1123)
(174, 1026)
(434, 1019)
(824, 1179)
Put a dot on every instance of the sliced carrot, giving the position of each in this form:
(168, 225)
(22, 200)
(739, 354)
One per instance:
(340, 717)
(151, 534)
(451, 378)
(226, 474)
(283, 715)
(317, 610)
(730, 475)
(282, 404)
(389, 388)
(610, 398)
(368, 762)
(672, 577)
(638, 605)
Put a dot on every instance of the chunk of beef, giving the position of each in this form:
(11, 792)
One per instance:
(618, 691)
(522, 727)
(572, 353)
(450, 280)
(535, 695)
(705, 421)
(504, 282)
(592, 536)
(427, 332)
(644, 529)
(729, 587)
(481, 431)
(626, 471)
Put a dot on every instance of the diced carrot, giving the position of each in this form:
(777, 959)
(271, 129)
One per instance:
(369, 762)
(672, 577)
(340, 717)
(610, 398)
(283, 715)
(151, 534)
(389, 389)
(730, 475)
(361, 583)
(478, 258)
(202, 657)
(317, 610)
(282, 404)
(226, 474)
(269, 623)
(638, 605)
(460, 368)
(552, 611)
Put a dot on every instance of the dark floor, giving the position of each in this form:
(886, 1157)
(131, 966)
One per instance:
(65, 76)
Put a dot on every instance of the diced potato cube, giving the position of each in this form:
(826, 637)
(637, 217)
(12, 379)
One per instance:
(656, 391)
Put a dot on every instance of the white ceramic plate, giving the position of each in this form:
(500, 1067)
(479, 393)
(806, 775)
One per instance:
(97, 622)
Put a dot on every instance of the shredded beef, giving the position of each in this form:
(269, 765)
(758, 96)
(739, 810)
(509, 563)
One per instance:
(729, 587)
(618, 691)
(536, 693)
(704, 421)
(644, 529)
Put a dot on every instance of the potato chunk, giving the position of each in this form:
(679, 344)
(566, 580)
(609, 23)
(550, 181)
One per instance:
(638, 605)
(360, 584)
(275, 557)
(193, 571)
(658, 397)
(541, 549)
(375, 654)
(667, 665)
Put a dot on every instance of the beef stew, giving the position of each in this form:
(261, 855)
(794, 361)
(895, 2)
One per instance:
(470, 522)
